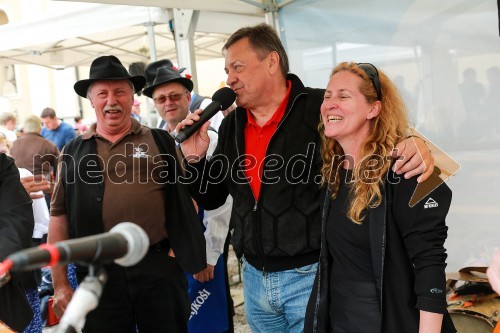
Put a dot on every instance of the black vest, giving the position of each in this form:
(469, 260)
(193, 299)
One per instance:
(84, 187)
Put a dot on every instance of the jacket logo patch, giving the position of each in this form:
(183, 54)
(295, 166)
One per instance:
(139, 153)
(436, 291)
(430, 203)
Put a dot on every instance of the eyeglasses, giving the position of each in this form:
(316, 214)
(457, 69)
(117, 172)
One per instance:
(372, 73)
(173, 97)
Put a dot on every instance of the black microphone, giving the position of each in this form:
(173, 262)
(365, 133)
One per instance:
(221, 100)
(126, 244)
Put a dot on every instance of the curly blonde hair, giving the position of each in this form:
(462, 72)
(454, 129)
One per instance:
(386, 130)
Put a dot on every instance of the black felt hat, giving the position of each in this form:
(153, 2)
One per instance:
(152, 68)
(108, 68)
(167, 74)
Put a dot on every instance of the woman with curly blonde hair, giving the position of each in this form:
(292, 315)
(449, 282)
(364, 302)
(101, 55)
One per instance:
(382, 262)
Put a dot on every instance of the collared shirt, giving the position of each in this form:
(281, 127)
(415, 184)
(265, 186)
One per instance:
(133, 188)
(60, 136)
(257, 139)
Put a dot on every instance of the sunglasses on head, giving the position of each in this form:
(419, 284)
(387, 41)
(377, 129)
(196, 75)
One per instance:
(173, 97)
(372, 73)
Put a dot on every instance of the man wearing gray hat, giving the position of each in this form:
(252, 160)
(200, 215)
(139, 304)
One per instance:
(122, 171)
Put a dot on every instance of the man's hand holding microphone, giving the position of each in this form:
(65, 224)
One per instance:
(192, 131)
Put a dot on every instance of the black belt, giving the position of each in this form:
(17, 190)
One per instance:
(160, 246)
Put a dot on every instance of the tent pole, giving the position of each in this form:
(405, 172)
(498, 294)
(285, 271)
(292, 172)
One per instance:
(185, 21)
(271, 13)
(151, 38)
(80, 106)
(151, 41)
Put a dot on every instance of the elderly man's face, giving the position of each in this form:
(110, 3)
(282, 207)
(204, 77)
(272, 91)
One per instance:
(112, 101)
(248, 75)
(172, 103)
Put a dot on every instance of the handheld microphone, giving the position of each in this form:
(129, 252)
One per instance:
(221, 100)
(126, 244)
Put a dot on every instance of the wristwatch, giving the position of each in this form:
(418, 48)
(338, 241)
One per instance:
(4, 279)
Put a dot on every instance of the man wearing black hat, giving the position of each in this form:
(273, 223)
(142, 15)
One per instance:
(196, 101)
(122, 171)
(171, 93)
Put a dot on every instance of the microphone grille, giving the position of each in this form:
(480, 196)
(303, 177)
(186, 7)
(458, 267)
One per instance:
(225, 96)
(137, 242)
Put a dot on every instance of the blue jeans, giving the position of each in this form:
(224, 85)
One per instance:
(276, 301)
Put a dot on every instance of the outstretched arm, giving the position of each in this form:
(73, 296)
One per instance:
(414, 158)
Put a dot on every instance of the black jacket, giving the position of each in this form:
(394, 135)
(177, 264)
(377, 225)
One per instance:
(16, 229)
(280, 230)
(407, 254)
(82, 179)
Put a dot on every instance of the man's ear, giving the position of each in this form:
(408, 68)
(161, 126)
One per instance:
(273, 62)
(375, 110)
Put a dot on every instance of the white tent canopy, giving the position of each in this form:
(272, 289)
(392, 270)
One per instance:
(58, 39)
(245, 7)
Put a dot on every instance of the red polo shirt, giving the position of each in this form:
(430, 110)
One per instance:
(256, 141)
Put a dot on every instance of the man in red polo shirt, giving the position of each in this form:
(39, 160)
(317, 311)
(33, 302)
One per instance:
(267, 158)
